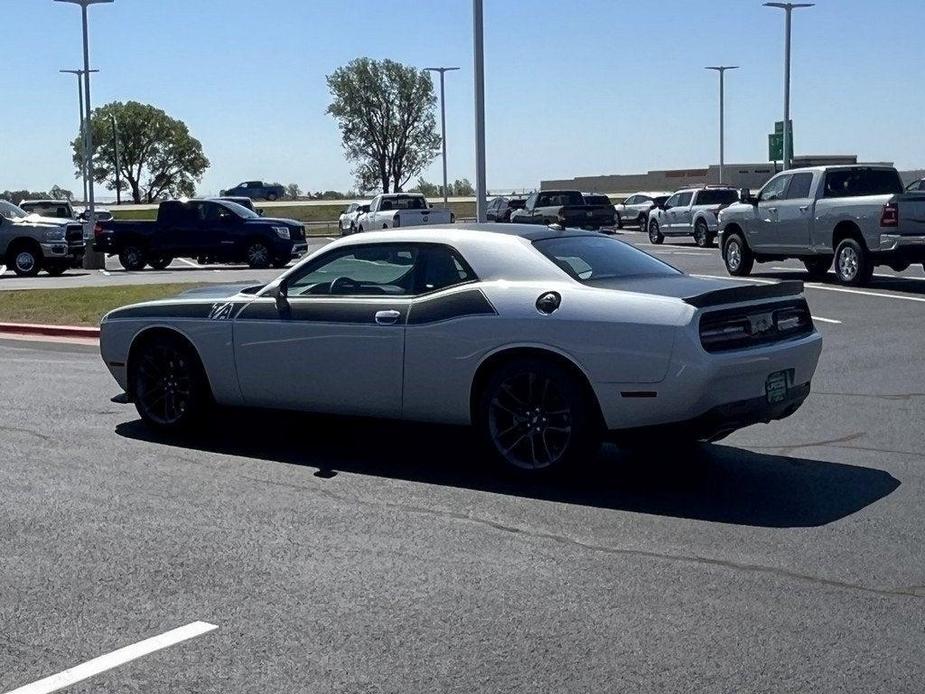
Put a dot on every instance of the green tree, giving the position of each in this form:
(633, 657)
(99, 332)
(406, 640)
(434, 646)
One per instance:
(157, 154)
(59, 193)
(427, 189)
(294, 191)
(386, 114)
(461, 188)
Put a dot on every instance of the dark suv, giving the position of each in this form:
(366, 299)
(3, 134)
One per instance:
(500, 209)
(255, 190)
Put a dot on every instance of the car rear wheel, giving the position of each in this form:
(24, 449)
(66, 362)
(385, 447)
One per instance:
(168, 384)
(618, 221)
(655, 233)
(643, 222)
(535, 417)
(702, 235)
(272, 197)
(160, 262)
(852, 266)
(25, 261)
(817, 267)
(257, 255)
(737, 256)
(132, 258)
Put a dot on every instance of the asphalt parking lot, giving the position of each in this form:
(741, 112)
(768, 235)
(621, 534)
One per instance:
(370, 556)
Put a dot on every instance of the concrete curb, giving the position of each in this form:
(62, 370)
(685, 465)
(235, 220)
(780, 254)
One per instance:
(50, 330)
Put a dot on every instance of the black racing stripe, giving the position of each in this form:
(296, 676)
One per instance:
(178, 310)
(322, 311)
(439, 308)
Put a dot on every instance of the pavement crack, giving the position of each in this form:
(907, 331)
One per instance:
(21, 430)
(876, 396)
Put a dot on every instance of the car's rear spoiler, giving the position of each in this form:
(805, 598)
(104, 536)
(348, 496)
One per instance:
(749, 292)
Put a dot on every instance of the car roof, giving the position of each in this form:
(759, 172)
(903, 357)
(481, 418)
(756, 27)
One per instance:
(49, 201)
(466, 230)
(840, 167)
(650, 193)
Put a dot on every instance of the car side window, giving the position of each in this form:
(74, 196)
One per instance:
(775, 189)
(379, 269)
(631, 200)
(673, 200)
(531, 202)
(544, 200)
(443, 268)
(684, 199)
(217, 213)
(800, 185)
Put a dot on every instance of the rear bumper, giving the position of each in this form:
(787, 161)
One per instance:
(900, 248)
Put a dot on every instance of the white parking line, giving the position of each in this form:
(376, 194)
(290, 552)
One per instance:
(864, 292)
(189, 262)
(677, 253)
(876, 274)
(114, 659)
(827, 320)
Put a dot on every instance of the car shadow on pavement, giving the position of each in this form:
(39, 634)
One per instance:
(715, 483)
(905, 285)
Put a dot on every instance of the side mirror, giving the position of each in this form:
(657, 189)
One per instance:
(281, 294)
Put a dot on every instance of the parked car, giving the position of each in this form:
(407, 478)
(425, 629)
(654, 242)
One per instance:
(501, 208)
(916, 186)
(209, 230)
(30, 243)
(691, 212)
(635, 209)
(430, 324)
(566, 208)
(62, 209)
(347, 222)
(393, 210)
(598, 199)
(243, 202)
(857, 216)
(255, 190)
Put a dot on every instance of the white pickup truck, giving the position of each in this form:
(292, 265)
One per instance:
(856, 215)
(394, 210)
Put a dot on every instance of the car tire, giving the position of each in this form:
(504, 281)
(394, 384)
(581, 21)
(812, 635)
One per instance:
(702, 236)
(817, 268)
(132, 258)
(272, 197)
(536, 418)
(25, 259)
(655, 234)
(618, 221)
(160, 262)
(853, 266)
(643, 222)
(168, 384)
(257, 255)
(56, 268)
(737, 256)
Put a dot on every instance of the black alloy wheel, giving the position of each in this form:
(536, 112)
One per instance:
(258, 255)
(655, 233)
(168, 384)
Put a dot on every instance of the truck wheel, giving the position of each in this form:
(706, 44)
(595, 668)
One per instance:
(132, 258)
(817, 267)
(702, 235)
(56, 268)
(25, 260)
(655, 234)
(618, 223)
(852, 265)
(272, 197)
(536, 418)
(737, 256)
(257, 255)
(160, 262)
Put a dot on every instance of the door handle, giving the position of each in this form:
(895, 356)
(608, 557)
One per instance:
(389, 317)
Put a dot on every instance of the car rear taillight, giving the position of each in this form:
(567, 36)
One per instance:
(889, 217)
(97, 230)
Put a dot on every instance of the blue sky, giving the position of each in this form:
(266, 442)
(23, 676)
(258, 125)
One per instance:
(572, 88)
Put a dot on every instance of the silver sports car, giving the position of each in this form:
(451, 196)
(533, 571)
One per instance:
(544, 340)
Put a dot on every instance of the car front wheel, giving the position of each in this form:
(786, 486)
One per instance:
(26, 261)
(655, 233)
(535, 417)
(168, 384)
(258, 255)
(737, 256)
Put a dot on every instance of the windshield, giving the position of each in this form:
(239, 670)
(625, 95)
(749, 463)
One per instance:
(10, 211)
(240, 210)
(590, 258)
(717, 197)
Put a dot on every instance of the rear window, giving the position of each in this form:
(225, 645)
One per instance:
(847, 183)
(597, 200)
(717, 197)
(590, 258)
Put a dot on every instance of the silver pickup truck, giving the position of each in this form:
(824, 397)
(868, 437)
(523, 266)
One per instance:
(394, 210)
(856, 216)
(30, 243)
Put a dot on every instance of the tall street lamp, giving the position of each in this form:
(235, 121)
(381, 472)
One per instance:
(443, 71)
(92, 260)
(83, 148)
(721, 69)
(115, 146)
(481, 211)
(788, 7)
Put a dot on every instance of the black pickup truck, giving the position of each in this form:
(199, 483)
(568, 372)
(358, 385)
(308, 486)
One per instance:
(208, 230)
(564, 207)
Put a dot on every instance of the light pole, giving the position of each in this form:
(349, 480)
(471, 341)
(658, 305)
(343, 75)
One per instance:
(721, 69)
(443, 71)
(115, 146)
(481, 212)
(788, 7)
(92, 260)
(83, 148)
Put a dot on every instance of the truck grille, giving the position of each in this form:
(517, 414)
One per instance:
(751, 326)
